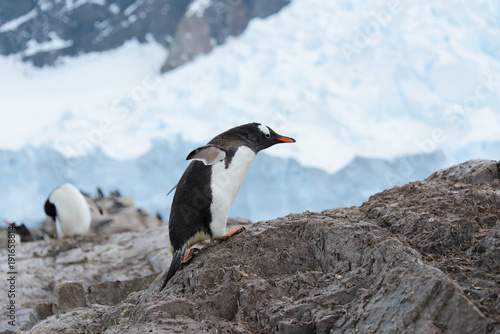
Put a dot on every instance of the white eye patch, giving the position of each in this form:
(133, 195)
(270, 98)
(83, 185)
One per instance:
(264, 129)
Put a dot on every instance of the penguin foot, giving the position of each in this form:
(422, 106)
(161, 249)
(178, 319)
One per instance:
(232, 232)
(188, 257)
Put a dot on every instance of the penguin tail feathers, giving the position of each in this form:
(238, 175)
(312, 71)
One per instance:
(174, 266)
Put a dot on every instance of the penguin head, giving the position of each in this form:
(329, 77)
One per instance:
(255, 136)
(16, 224)
(21, 230)
(259, 136)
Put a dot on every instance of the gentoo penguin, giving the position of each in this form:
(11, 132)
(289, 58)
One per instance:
(69, 209)
(22, 231)
(210, 184)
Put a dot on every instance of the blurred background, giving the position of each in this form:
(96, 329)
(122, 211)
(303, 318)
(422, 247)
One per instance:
(115, 94)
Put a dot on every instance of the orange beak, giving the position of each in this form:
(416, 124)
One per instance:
(286, 139)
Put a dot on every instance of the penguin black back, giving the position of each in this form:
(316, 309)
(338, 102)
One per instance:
(210, 184)
(193, 198)
(190, 211)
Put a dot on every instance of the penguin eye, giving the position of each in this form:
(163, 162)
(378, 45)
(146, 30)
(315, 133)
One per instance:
(268, 135)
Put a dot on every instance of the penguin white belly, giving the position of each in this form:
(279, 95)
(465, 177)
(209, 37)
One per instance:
(73, 213)
(226, 183)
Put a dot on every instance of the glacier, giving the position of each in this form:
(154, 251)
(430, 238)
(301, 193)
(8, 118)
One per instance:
(273, 187)
(376, 94)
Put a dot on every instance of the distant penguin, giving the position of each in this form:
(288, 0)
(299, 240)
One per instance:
(115, 194)
(100, 194)
(67, 206)
(22, 231)
(210, 184)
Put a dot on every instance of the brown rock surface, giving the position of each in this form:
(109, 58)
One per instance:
(421, 258)
(70, 295)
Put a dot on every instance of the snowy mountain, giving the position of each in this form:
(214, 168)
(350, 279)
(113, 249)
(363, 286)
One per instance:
(43, 31)
(376, 94)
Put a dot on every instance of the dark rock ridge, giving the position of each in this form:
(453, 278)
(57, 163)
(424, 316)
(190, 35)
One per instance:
(421, 258)
(199, 32)
(43, 31)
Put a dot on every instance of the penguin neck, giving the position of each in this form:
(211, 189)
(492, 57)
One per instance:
(226, 180)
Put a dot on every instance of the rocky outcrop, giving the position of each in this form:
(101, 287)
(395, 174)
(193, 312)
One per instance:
(421, 258)
(43, 31)
(206, 25)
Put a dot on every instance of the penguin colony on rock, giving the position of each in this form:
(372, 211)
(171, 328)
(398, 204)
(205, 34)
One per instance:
(209, 186)
(202, 200)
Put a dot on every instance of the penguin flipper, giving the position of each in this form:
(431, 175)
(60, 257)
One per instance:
(174, 266)
(209, 154)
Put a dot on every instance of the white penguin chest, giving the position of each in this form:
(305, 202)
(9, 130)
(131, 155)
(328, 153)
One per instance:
(226, 183)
